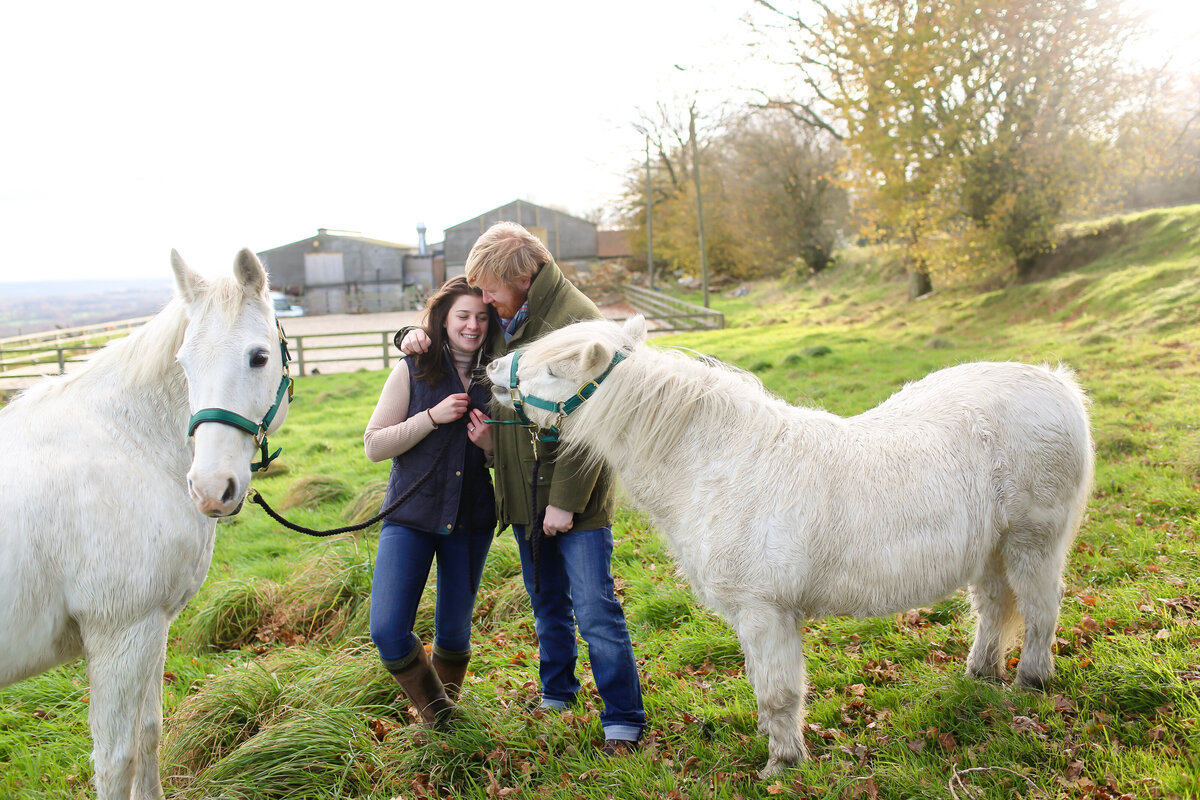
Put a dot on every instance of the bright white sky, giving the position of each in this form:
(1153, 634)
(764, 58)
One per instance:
(129, 128)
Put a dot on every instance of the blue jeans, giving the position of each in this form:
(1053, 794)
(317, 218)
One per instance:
(577, 587)
(402, 565)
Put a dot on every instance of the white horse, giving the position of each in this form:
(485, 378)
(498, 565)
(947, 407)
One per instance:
(975, 475)
(108, 508)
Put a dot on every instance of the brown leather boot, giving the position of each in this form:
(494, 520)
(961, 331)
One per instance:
(451, 666)
(424, 690)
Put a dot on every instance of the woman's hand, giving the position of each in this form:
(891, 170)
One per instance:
(479, 432)
(450, 409)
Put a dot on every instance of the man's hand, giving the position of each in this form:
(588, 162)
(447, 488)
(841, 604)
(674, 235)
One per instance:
(415, 341)
(557, 521)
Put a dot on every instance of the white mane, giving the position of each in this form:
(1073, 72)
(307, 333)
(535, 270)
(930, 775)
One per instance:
(144, 358)
(663, 393)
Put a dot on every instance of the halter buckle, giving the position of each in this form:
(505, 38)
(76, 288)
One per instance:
(587, 390)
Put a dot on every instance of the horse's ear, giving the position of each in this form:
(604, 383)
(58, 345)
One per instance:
(189, 282)
(595, 357)
(250, 273)
(635, 328)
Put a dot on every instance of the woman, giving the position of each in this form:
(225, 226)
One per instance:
(430, 416)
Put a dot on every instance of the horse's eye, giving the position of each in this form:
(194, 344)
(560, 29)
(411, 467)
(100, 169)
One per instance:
(258, 359)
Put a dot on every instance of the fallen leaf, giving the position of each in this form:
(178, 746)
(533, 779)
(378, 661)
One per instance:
(916, 745)
(1064, 704)
(378, 729)
(946, 740)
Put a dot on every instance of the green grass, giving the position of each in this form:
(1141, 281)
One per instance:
(274, 690)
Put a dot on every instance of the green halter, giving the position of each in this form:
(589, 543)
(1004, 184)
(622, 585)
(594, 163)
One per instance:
(563, 409)
(257, 430)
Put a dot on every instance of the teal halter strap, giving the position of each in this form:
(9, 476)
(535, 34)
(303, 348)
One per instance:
(256, 429)
(563, 409)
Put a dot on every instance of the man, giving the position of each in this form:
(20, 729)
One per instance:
(573, 583)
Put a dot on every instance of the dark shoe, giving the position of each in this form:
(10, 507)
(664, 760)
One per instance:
(424, 690)
(620, 747)
(451, 666)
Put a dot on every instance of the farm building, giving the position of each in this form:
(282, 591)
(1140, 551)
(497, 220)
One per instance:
(340, 271)
(568, 238)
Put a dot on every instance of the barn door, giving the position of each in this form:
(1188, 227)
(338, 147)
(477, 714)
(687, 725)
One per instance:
(323, 268)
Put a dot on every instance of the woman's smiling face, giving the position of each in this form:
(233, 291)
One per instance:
(467, 323)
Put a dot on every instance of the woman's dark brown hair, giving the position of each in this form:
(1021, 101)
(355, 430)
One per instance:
(430, 365)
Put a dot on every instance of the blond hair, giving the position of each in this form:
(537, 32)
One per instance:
(507, 253)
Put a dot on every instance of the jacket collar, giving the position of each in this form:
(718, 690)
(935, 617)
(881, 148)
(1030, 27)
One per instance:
(542, 291)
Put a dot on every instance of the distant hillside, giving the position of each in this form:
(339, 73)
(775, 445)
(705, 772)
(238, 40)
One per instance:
(33, 306)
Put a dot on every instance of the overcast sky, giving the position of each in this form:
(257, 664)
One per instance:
(129, 128)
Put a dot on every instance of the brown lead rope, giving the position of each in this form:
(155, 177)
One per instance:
(258, 499)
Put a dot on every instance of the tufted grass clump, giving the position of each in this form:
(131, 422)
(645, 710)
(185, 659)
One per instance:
(230, 614)
(326, 598)
(312, 491)
(366, 503)
(296, 721)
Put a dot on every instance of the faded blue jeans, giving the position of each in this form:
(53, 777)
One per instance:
(402, 565)
(577, 587)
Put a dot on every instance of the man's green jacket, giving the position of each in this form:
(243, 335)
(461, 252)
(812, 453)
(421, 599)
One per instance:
(565, 483)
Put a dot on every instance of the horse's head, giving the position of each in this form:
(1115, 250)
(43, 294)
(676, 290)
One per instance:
(236, 374)
(549, 379)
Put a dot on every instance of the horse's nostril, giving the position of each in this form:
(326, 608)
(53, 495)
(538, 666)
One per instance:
(230, 491)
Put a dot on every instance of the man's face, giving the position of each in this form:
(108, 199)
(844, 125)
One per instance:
(506, 298)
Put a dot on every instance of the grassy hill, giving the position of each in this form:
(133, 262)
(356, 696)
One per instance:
(273, 688)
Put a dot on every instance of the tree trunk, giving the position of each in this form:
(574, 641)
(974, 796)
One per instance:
(919, 284)
(1025, 267)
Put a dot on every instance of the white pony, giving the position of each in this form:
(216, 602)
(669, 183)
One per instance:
(975, 475)
(107, 508)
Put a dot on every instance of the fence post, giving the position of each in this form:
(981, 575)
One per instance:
(62, 367)
(385, 349)
(300, 354)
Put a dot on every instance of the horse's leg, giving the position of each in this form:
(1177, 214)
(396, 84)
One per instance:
(120, 664)
(997, 620)
(1034, 557)
(147, 782)
(770, 639)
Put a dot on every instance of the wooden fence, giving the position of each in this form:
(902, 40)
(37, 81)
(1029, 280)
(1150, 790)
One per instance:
(667, 313)
(24, 359)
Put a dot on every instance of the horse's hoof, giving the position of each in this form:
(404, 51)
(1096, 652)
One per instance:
(991, 676)
(1034, 683)
(777, 765)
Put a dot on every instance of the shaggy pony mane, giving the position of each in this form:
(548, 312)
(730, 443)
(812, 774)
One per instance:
(662, 394)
